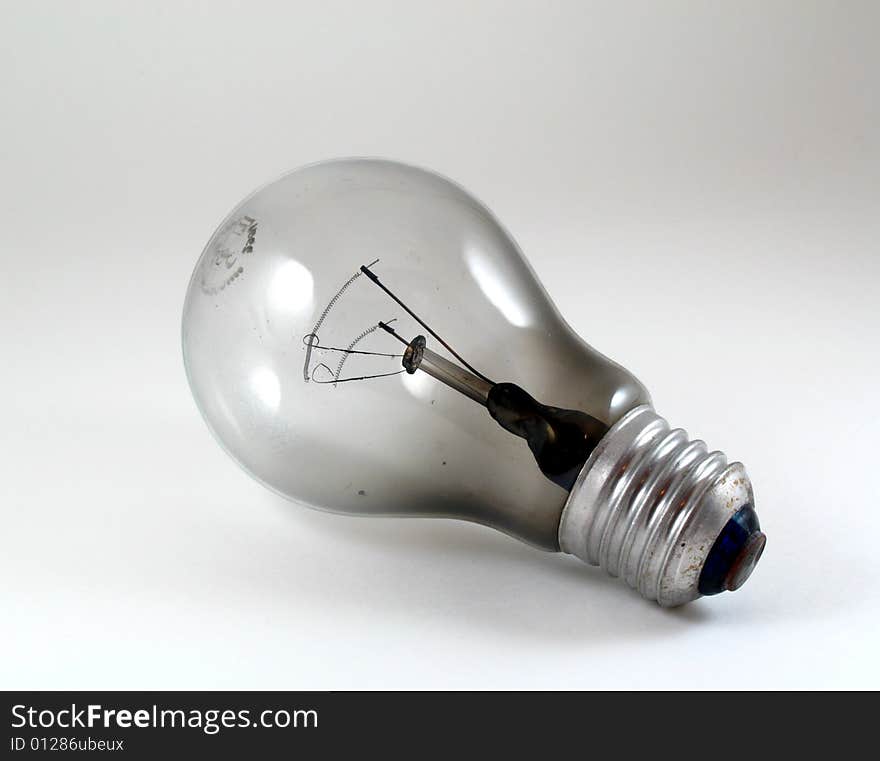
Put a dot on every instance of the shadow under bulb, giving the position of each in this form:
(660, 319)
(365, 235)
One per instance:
(364, 336)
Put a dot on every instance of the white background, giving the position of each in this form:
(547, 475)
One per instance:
(696, 184)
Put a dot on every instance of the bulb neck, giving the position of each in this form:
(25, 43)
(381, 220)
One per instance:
(672, 519)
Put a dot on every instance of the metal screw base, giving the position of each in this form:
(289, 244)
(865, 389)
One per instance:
(649, 505)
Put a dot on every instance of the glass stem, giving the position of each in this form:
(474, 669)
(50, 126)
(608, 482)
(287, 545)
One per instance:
(463, 381)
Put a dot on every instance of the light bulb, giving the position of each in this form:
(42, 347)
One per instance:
(365, 337)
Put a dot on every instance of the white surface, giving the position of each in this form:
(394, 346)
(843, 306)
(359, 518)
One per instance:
(697, 186)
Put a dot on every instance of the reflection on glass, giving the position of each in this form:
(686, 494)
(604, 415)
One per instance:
(492, 283)
(291, 288)
(266, 387)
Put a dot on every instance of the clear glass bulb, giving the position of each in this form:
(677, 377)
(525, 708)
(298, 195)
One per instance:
(364, 336)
